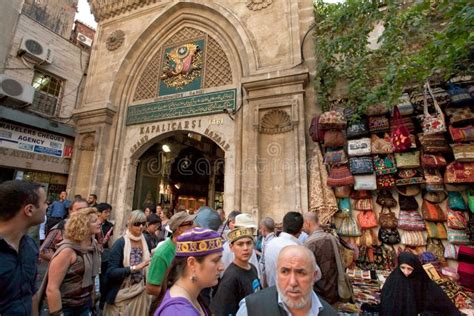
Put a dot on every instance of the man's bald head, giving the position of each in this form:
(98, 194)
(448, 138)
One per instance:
(302, 252)
(312, 217)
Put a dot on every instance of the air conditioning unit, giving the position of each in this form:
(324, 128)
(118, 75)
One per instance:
(84, 39)
(36, 50)
(14, 92)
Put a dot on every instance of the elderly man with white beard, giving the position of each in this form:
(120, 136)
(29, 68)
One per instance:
(293, 294)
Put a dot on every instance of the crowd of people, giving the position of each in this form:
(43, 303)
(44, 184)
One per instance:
(182, 263)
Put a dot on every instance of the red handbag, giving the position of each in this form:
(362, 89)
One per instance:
(433, 161)
(400, 136)
(367, 219)
(459, 172)
(340, 176)
(316, 133)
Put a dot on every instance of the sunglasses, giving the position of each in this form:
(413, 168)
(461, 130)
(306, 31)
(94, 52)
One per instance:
(138, 224)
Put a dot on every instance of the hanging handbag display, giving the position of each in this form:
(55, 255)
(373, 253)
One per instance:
(463, 152)
(365, 182)
(459, 172)
(349, 227)
(334, 138)
(408, 159)
(389, 236)
(433, 161)
(363, 205)
(332, 120)
(462, 134)
(457, 219)
(385, 199)
(379, 124)
(432, 212)
(456, 201)
(458, 237)
(400, 136)
(359, 147)
(432, 124)
(411, 220)
(357, 129)
(367, 219)
(361, 165)
(384, 165)
(316, 133)
(386, 181)
(436, 230)
(381, 145)
(340, 176)
(387, 218)
(335, 157)
(407, 203)
(412, 238)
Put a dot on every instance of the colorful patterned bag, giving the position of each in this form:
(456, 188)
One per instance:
(459, 96)
(459, 172)
(381, 145)
(361, 165)
(332, 120)
(432, 212)
(451, 251)
(376, 109)
(462, 134)
(432, 124)
(357, 129)
(412, 238)
(349, 227)
(433, 144)
(340, 176)
(367, 219)
(435, 246)
(456, 201)
(436, 230)
(335, 157)
(470, 200)
(342, 192)
(458, 237)
(411, 220)
(363, 205)
(408, 159)
(404, 106)
(460, 116)
(316, 133)
(384, 165)
(386, 181)
(379, 124)
(433, 161)
(463, 152)
(457, 219)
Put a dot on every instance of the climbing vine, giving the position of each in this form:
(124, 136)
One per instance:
(418, 41)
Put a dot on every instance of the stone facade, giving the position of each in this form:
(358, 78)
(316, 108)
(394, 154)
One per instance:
(250, 48)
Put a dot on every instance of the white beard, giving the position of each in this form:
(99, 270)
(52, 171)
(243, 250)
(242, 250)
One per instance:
(300, 303)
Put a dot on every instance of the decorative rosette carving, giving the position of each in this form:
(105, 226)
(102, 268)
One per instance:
(115, 40)
(258, 4)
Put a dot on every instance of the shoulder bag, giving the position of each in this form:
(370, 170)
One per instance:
(432, 124)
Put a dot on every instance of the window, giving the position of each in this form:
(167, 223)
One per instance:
(48, 92)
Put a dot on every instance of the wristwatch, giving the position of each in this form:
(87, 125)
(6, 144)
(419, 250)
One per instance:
(133, 268)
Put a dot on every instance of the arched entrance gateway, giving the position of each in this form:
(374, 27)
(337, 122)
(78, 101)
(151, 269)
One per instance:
(222, 82)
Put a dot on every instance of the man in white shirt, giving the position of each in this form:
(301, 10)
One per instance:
(267, 229)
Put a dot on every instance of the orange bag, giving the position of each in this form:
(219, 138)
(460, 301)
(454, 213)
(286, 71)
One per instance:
(367, 219)
(432, 212)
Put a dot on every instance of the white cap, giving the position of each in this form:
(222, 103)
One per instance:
(244, 220)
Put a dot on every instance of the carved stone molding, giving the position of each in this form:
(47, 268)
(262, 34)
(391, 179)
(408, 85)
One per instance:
(275, 122)
(104, 9)
(115, 40)
(256, 5)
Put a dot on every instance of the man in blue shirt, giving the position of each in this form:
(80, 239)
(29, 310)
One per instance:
(23, 205)
(57, 211)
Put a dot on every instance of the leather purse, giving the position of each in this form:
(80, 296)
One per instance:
(367, 219)
(335, 157)
(459, 172)
(340, 176)
(365, 182)
(357, 129)
(436, 230)
(463, 152)
(385, 199)
(381, 145)
(386, 181)
(411, 220)
(385, 165)
(387, 218)
(462, 134)
(432, 212)
(408, 159)
(332, 120)
(361, 165)
(334, 138)
(432, 124)
(379, 124)
(359, 147)
(407, 202)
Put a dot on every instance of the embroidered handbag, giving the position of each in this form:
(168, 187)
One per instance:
(404, 106)
(358, 147)
(349, 227)
(365, 182)
(343, 191)
(367, 219)
(458, 237)
(340, 176)
(363, 205)
(412, 238)
(433, 176)
(458, 172)
(432, 212)
(460, 116)
(408, 159)
(381, 145)
(387, 218)
(400, 136)
(334, 138)
(385, 199)
(411, 220)
(357, 129)
(470, 200)
(459, 96)
(462, 134)
(456, 201)
(451, 251)
(457, 219)
(361, 165)
(407, 202)
(315, 132)
(436, 230)
(435, 143)
(432, 124)
(385, 181)
(435, 246)
(332, 120)
(410, 181)
(335, 157)
(433, 161)
(385, 165)
(389, 236)
(376, 109)
(463, 152)
(379, 124)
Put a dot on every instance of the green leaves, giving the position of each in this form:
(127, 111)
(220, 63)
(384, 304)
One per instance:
(427, 39)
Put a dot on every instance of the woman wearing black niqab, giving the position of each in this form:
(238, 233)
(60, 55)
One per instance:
(408, 291)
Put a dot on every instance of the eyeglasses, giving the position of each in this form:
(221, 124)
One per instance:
(138, 224)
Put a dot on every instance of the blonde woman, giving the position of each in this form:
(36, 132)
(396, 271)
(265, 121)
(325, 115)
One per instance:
(126, 272)
(74, 266)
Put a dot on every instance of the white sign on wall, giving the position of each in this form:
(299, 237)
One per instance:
(27, 139)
